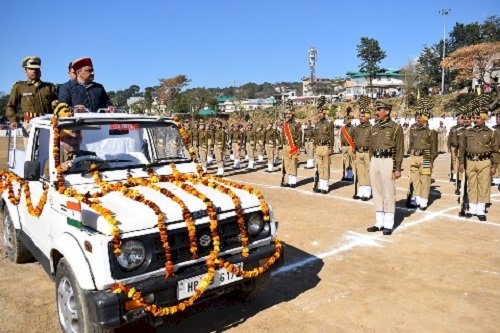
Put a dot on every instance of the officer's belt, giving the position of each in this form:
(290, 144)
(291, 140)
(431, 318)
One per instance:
(362, 149)
(382, 153)
(324, 143)
(478, 157)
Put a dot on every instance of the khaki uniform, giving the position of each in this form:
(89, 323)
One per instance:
(362, 139)
(259, 137)
(323, 137)
(336, 141)
(236, 141)
(423, 152)
(441, 136)
(290, 160)
(406, 134)
(309, 146)
(219, 145)
(203, 139)
(478, 150)
(194, 136)
(387, 144)
(496, 176)
(347, 153)
(453, 149)
(251, 145)
(269, 143)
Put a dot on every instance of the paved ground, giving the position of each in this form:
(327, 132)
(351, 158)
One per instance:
(436, 273)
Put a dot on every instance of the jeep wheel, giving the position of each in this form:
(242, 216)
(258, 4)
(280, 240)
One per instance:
(71, 309)
(16, 252)
(252, 288)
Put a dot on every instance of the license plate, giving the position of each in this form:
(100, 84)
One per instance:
(186, 287)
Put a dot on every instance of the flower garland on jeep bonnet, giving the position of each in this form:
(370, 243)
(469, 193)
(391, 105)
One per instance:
(129, 189)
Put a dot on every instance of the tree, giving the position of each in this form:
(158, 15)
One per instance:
(148, 98)
(428, 67)
(478, 62)
(371, 54)
(170, 88)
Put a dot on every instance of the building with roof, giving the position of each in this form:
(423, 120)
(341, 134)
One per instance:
(387, 83)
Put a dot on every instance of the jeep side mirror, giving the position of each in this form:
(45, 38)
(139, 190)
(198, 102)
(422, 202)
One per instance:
(32, 170)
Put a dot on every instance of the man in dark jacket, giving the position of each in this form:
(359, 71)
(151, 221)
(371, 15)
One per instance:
(83, 91)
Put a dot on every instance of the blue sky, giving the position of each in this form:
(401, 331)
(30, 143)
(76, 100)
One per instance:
(217, 43)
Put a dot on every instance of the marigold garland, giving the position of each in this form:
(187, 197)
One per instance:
(181, 180)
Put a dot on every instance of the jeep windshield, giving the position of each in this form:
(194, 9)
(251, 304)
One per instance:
(123, 144)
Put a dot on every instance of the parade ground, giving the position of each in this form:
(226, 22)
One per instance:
(436, 273)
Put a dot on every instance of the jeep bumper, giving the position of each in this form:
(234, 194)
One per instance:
(107, 309)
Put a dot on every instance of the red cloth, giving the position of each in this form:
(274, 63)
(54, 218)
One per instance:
(288, 135)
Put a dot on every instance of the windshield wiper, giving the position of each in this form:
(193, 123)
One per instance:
(163, 160)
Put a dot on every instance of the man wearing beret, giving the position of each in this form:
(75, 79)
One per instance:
(83, 91)
(386, 147)
(35, 97)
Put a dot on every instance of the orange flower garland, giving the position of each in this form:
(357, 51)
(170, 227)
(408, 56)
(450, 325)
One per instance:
(37, 211)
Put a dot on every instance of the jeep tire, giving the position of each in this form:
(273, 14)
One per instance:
(16, 252)
(71, 305)
(252, 288)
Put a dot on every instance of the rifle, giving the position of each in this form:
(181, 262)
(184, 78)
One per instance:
(283, 172)
(451, 166)
(409, 195)
(355, 196)
(316, 180)
(464, 207)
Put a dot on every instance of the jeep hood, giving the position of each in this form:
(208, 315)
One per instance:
(136, 216)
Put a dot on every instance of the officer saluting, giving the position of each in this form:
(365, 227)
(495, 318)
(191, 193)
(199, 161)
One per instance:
(479, 145)
(35, 96)
(323, 137)
(387, 146)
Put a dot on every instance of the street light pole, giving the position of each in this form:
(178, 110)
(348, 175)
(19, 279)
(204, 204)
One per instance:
(443, 12)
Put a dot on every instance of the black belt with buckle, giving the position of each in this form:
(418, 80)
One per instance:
(362, 149)
(478, 157)
(382, 153)
(324, 143)
(418, 153)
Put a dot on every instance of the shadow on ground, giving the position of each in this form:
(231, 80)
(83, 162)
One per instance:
(218, 315)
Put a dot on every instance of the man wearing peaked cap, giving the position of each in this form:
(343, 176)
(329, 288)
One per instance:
(34, 96)
(386, 147)
(83, 91)
(362, 140)
(347, 143)
(291, 145)
(323, 139)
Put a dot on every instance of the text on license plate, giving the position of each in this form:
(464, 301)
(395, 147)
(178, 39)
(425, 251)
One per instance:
(186, 287)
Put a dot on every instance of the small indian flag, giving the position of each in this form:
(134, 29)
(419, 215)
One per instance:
(74, 214)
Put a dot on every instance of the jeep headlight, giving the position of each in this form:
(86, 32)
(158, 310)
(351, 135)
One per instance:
(132, 256)
(255, 224)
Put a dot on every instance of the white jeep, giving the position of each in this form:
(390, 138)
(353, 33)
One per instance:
(133, 228)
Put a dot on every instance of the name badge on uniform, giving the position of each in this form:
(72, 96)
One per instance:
(27, 94)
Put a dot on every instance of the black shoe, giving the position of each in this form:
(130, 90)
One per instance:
(292, 185)
(374, 229)
(457, 192)
(365, 199)
(411, 206)
(387, 231)
(324, 192)
(482, 218)
(355, 197)
(422, 208)
(285, 185)
(316, 190)
(468, 215)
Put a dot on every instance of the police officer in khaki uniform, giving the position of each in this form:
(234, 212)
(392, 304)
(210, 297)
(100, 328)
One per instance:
(453, 147)
(269, 143)
(210, 142)
(35, 97)
(423, 152)
(236, 142)
(387, 146)
(278, 145)
(251, 145)
(479, 145)
(308, 144)
(496, 178)
(347, 144)
(219, 145)
(260, 147)
(203, 135)
(291, 145)
(362, 140)
(323, 137)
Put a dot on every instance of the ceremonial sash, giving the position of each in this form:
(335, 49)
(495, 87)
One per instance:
(293, 148)
(348, 137)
